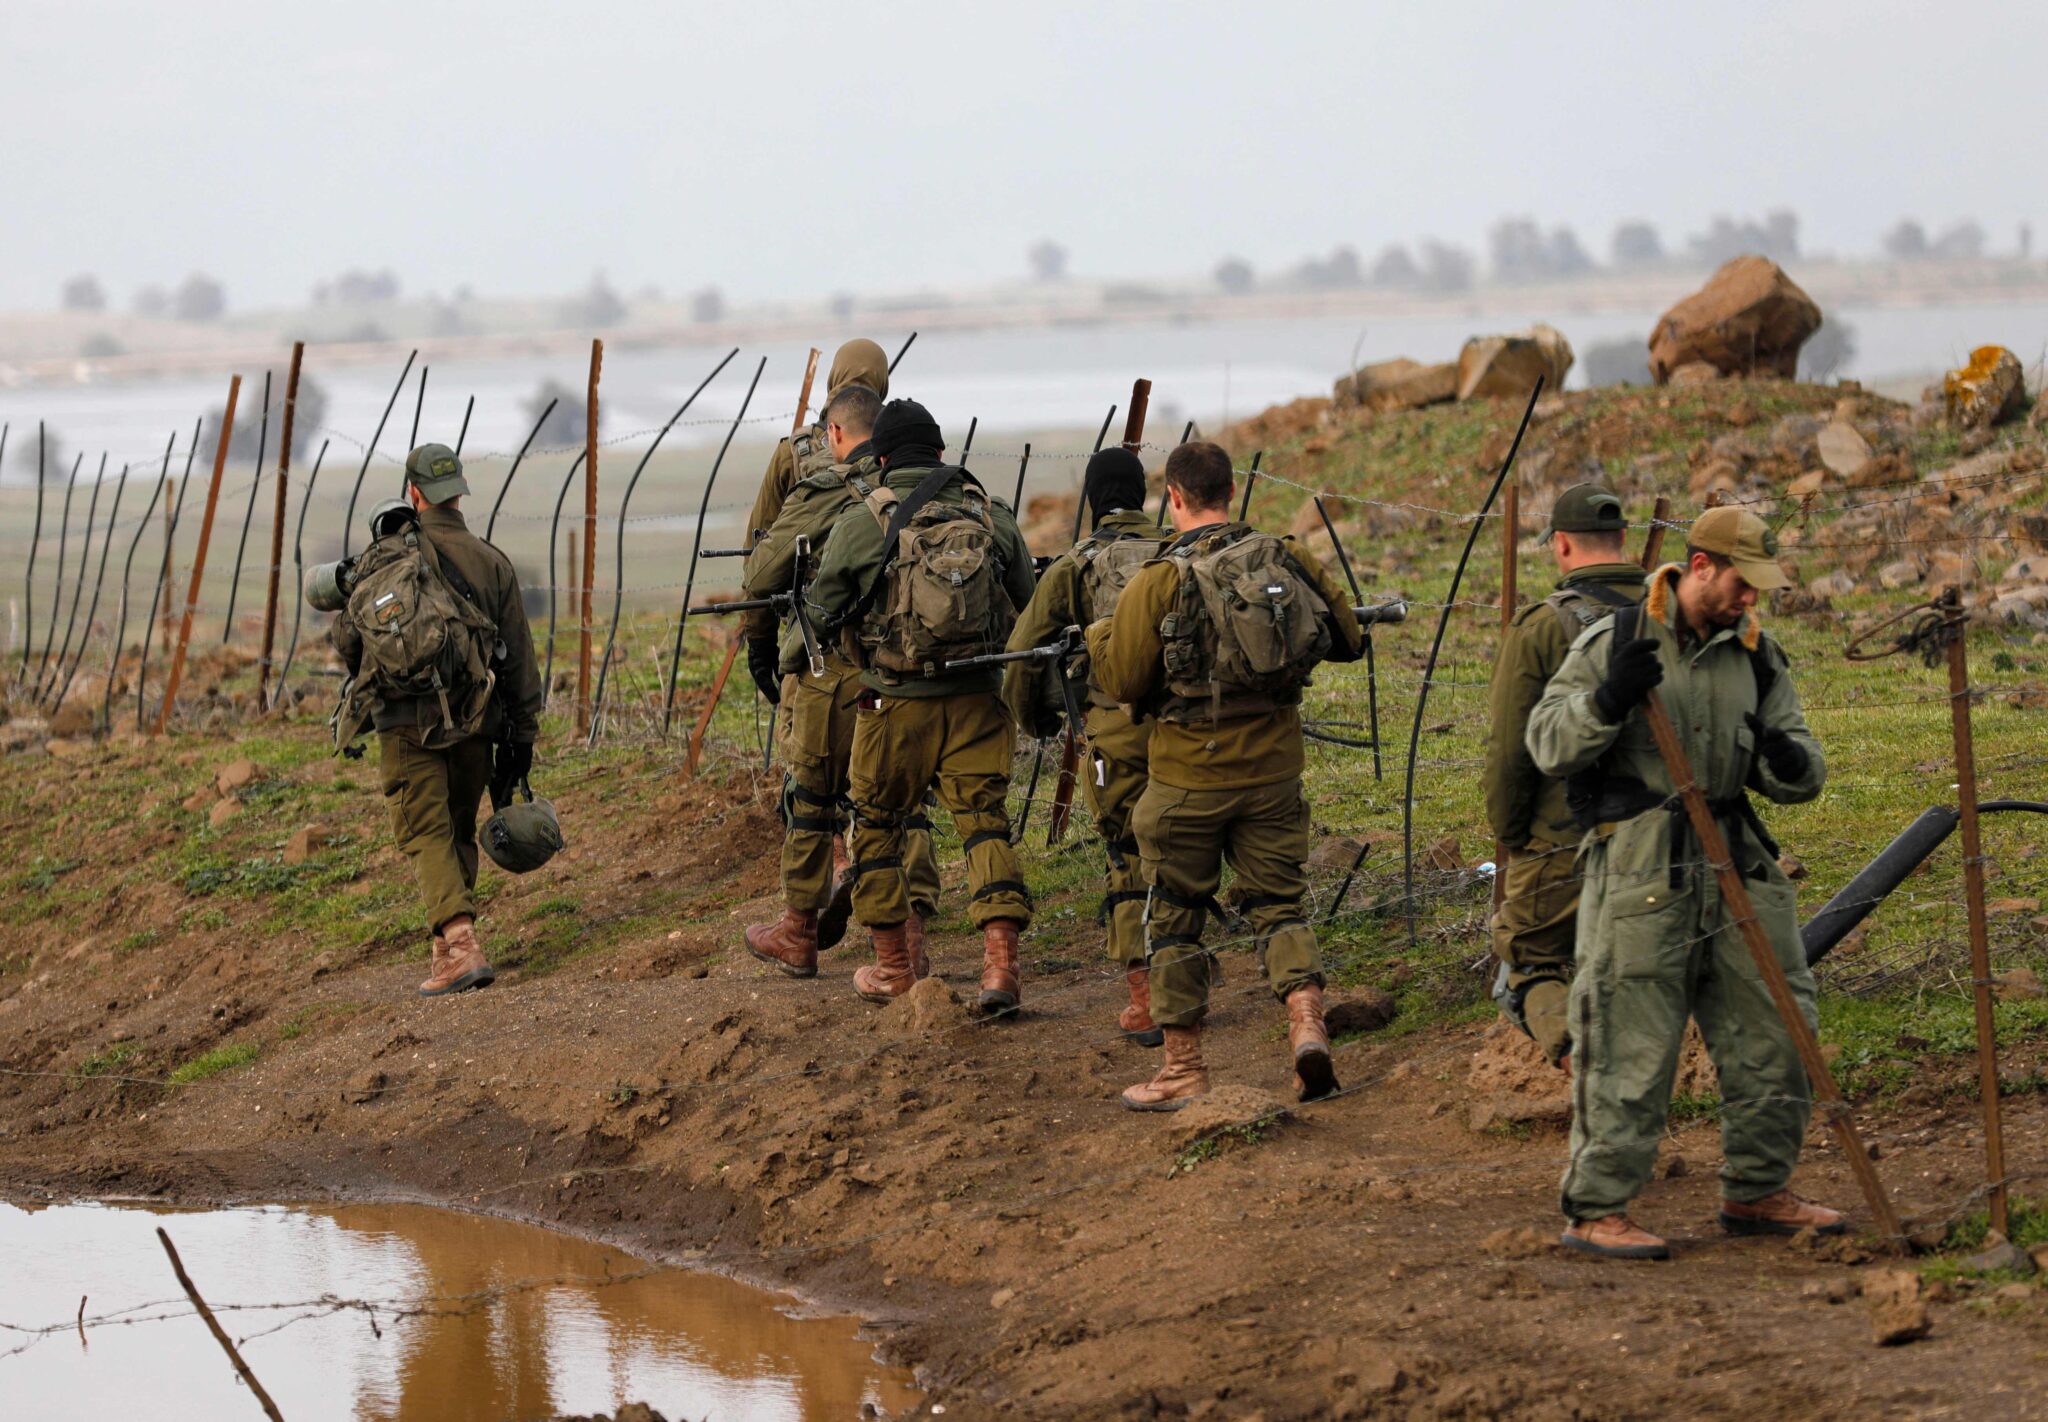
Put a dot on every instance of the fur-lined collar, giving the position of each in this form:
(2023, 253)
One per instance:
(1662, 604)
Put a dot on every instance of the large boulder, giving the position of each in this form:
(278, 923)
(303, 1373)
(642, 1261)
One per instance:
(1991, 388)
(1508, 366)
(1749, 317)
(1398, 384)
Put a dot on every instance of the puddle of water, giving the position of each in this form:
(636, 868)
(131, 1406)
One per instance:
(476, 1320)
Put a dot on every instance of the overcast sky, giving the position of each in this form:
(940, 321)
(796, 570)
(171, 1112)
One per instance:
(784, 147)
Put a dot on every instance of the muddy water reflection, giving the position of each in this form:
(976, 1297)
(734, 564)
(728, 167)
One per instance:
(473, 1319)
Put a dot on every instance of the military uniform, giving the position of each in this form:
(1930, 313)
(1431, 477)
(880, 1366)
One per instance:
(1533, 927)
(1654, 940)
(1219, 791)
(814, 721)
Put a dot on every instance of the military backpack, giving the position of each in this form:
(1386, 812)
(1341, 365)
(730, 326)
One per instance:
(1246, 628)
(1108, 562)
(939, 596)
(424, 639)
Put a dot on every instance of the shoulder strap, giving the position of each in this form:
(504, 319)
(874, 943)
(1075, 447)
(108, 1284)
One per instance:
(900, 515)
(451, 574)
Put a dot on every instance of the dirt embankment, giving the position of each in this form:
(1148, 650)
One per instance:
(973, 1189)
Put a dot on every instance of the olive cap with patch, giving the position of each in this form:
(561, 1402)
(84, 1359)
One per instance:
(436, 472)
(1587, 508)
(1744, 540)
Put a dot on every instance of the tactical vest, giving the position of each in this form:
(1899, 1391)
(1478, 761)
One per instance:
(811, 452)
(939, 595)
(1108, 561)
(1246, 627)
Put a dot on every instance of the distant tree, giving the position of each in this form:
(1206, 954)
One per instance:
(1395, 268)
(566, 424)
(1622, 362)
(443, 319)
(1234, 275)
(464, 294)
(707, 305)
(1906, 242)
(199, 298)
(1048, 260)
(598, 306)
(55, 466)
(1636, 244)
(363, 288)
(1567, 258)
(99, 345)
(1446, 268)
(151, 301)
(83, 293)
(1962, 242)
(1339, 270)
(1776, 237)
(1828, 352)
(248, 432)
(1516, 247)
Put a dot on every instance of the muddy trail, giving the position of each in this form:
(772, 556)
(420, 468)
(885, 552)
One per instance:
(973, 1189)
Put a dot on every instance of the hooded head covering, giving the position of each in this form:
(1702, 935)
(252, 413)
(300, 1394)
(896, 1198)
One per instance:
(906, 433)
(859, 362)
(1115, 480)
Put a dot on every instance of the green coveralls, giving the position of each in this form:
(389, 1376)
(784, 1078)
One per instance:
(1655, 943)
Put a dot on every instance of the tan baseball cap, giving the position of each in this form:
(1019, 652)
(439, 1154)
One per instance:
(1744, 540)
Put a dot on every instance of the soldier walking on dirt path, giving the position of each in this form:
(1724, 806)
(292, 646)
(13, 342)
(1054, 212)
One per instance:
(1079, 587)
(1214, 642)
(928, 570)
(1655, 942)
(440, 751)
(814, 719)
(1534, 925)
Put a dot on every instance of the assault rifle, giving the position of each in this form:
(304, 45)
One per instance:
(787, 605)
(1070, 644)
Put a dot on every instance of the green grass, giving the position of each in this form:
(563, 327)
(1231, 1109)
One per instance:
(220, 1059)
(1211, 1147)
(112, 1060)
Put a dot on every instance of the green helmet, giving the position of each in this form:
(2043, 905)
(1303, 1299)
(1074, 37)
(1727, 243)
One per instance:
(522, 836)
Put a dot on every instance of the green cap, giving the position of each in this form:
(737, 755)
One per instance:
(1744, 540)
(434, 470)
(1586, 508)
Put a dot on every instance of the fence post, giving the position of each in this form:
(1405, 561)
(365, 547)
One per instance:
(220, 464)
(589, 539)
(1654, 544)
(284, 469)
(227, 625)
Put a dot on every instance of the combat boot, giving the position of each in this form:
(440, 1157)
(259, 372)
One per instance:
(1614, 1237)
(839, 911)
(1314, 1076)
(791, 943)
(1182, 1078)
(1780, 1212)
(888, 977)
(913, 943)
(1135, 1021)
(1000, 990)
(437, 962)
(463, 965)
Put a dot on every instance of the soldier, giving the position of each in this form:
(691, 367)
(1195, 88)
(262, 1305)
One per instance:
(1532, 928)
(1655, 942)
(814, 717)
(925, 571)
(1225, 758)
(1080, 587)
(439, 753)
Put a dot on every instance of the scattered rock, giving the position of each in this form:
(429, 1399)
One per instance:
(304, 843)
(1901, 574)
(1509, 366)
(1523, 1243)
(1398, 385)
(1002, 1298)
(2000, 1253)
(1750, 317)
(1716, 476)
(365, 1086)
(1898, 1313)
(2019, 985)
(1840, 583)
(1444, 855)
(1842, 449)
(1511, 1083)
(1988, 390)
(929, 1007)
(2013, 1293)
(1695, 372)
(1334, 852)
(1811, 482)
(237, 775)
(223, 811)
(1832, 1291)
(1364, 1009)
(1220, 1110)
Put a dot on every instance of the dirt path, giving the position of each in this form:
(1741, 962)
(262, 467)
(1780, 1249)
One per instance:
(1034, 1250)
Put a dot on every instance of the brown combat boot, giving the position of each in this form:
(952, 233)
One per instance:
(913, 943)
(1780, 1212)
(888, 977)
(1000, 990)
(839, 912)
(437, 962)
(790, 944)
(1309, 1039)
(1135, 1021)
(1182, 1078)
(463, 965)
(1614, 1237)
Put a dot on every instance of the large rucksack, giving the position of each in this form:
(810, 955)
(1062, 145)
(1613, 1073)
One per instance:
(939, 596)
(1108, 563)
(1246, 628)
(424, 639)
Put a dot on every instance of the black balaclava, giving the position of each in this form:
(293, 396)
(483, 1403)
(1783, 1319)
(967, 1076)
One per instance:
(906, 435)
(1115, 480)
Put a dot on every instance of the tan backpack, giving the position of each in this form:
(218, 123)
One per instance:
(423, 638)
(940, 597)
(1246, 628)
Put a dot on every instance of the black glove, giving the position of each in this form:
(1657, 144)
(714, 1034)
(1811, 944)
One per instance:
(510, 764)
(1785, 756)
(1633, 671)
(764, 659)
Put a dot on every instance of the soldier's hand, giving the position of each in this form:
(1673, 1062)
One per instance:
(1785, 756)
(511, 763)
(1633, 671)
(764, 657)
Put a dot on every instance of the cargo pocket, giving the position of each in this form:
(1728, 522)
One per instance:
(1649, 928)
(806, 726)
(1776, 902)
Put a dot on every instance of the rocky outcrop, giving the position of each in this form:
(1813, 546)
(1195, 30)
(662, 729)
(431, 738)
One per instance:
(1508, 366)
(1398, 384)
(1989, 390)
(1750, 318)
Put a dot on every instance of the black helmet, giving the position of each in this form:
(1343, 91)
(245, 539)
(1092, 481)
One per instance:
(522, 836)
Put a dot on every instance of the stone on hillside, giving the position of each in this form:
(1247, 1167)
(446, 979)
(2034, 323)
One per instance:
(929, 1008)
(2027, 568)
(1224, 1108)
(237, 775)
(1840, 583)
(1900, 574)
(1510, 1082)
(1898, 1309)
(223, 811)
(1694, 372)
(1398, 384)
(1508, 366)
(1988, 390)
(1716, 476)
(1811, 482)
(306, 842)
(1843, 449)
(1749, 318)
(1335, 853)
(2027, 608)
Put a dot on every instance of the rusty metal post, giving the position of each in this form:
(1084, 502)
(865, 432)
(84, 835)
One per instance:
(284, 469)
(589, 539)
(1654, 544)
(227, 624)
(220, 463)
(1735, 895)
(1973, 894)
(1510, 547)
